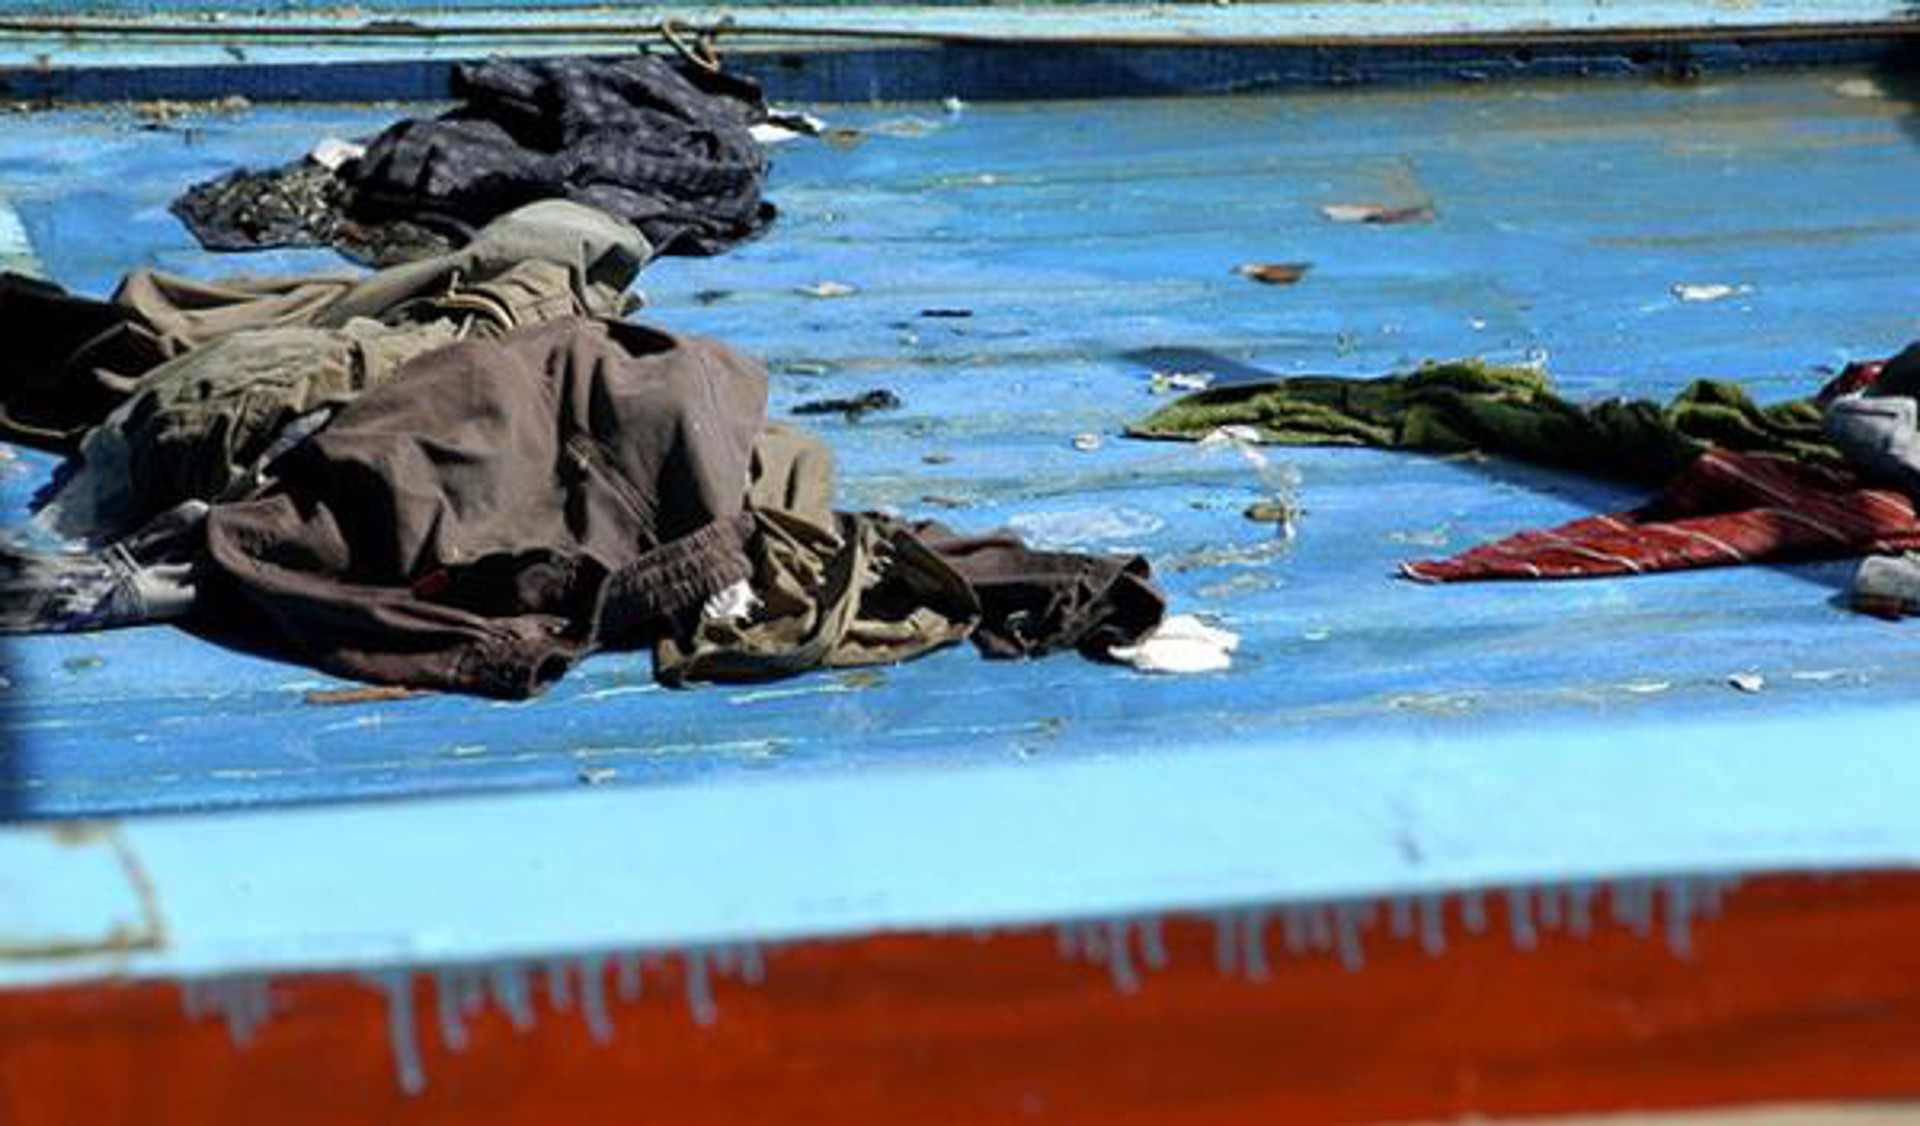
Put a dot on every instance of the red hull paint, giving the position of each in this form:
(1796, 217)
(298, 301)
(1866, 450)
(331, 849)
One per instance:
(1802, 988)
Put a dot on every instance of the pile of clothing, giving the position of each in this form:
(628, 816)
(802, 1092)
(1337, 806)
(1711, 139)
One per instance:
(1830, 476)
(469, 470)
(667, 147)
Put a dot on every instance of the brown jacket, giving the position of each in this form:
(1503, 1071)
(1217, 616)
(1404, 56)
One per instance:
(498, 510)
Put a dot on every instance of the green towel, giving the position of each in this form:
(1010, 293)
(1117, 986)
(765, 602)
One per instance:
(1511, 411)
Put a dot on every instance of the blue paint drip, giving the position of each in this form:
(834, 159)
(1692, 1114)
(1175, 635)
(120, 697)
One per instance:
(1580, 910)
(1293, 928)
(450, 1003)
(593, 999)
(1348, 918)
(1253, 943)
(1119, 958)
(558, 995)
(1473, 912)
(1679, 917)
(1225, 948)
(398, 987)
(1520, 918)
(1433, 925)
(699, 988)
(1153, 946)
(510, 992)
(628, 976)
(1400, 916)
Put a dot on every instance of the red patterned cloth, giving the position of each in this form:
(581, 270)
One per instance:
(1725, 508)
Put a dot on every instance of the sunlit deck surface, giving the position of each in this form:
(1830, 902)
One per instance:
(1091, 244)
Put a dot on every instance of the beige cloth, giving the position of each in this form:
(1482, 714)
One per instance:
(834, 590)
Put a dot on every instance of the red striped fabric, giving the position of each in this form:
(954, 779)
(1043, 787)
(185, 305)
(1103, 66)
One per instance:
(1725, 508)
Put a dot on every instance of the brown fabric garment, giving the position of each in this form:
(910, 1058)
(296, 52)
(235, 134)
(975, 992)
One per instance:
(1038, 602)
(835, 591)
(543, 261)
(499, 509)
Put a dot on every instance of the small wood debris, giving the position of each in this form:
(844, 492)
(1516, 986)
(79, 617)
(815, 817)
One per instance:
(855, 408)
(365, 694)
(1273, 273)
(1377, 213)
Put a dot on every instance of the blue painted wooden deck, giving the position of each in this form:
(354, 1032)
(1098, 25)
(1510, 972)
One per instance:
(1094, 243)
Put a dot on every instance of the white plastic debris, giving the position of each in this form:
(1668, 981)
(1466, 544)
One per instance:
(734, 604)
(828, 289)
(954, 106)
(1168, 382)
(1748, 682)
(1181, 644)
(1859, 88)
(1086, 443)
(332, 152)
(1709, 292)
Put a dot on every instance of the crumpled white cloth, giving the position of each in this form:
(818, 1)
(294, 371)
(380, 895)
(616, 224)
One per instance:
(1181, 643)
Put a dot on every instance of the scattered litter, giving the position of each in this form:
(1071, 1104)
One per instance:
(879, 399)
(365, 694)
(1859, 88)
(1646, 687)
(1181, 643)
(1170, 382)
(904, 127)
(828, 289)
(1273, 273)
(595, 775)
(1280, 480)
(1086, 443)
(806, 367)
(1080, 527)
(954, 106)
(1713, 292)
(952, 314)
(1820, 675)
(1270, 512)
(1377, 213)
(1748, 682)
(1429, 537)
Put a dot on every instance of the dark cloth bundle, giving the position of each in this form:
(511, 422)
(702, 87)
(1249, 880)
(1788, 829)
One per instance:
(667, 148)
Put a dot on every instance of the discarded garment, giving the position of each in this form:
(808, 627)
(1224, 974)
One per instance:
(1514, 412)
(666, 148)
(80, 374)
(1873, 416)
(197, 425)
(1033, 603)
(1724, 509)
(498, 510)
(143, 579)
